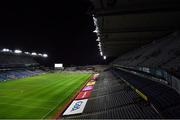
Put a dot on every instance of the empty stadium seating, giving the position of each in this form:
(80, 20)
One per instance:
(112, 98)
(163, 98)
(162, 54)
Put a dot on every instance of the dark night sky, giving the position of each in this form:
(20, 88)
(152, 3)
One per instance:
(63, 30)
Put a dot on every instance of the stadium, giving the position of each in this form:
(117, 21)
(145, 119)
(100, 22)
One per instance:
(90, 59)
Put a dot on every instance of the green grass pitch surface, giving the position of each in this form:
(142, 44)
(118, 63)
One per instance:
(39, 96)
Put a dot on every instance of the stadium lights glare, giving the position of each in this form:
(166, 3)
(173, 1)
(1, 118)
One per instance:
(45, 55)
(96, 25)
(99, 44)
(95, 20)
(101, 53)
(17, 51)
(96, 30)
(33, 53)
(98, 39)
(27, 53)
(5, 50)
(98, 33)
(40, 54)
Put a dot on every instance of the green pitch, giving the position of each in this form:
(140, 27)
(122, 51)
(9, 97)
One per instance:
(38, 96)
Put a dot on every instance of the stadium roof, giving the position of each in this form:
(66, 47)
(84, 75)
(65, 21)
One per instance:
(125, 25)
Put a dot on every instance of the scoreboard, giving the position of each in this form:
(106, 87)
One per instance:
(58, 66)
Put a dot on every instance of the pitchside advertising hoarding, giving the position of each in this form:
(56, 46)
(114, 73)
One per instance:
(76, 107)
(83, 95)
(91, 83)
(86, 88)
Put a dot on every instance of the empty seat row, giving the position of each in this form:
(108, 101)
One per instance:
(126, 112)
(161, 96)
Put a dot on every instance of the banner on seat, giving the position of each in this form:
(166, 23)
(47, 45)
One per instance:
(83, 95)
(86, 88)
(76, 107)
(91, 83)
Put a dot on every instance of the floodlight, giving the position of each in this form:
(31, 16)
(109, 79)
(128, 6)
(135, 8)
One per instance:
(95, 20)
(45, 55)
(98, 39)
(96, 30)
(17, 51)
(96, 25)
(33, 53)
(104, 57)
(101, 53)
(40, 54)
(99, 44)
(27, 53)
(5, 50)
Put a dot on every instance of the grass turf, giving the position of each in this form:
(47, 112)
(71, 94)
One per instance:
(38, 96)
